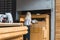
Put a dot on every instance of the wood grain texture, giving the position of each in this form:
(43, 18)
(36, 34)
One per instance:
(12, 29)
(57, 37)
(40, 30)
(35, 16)
(13, 33)
(37, 32)
(10, 24)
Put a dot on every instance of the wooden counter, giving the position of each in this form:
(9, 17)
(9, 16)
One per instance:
(13, 33)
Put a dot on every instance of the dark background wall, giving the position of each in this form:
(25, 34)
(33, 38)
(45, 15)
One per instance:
(8, 6)
(23, 5)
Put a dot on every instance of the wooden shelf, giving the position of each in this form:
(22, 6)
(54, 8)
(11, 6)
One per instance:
(10, 24)
(35, 16)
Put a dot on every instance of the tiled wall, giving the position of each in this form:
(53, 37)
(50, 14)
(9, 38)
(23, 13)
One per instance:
(8, 6)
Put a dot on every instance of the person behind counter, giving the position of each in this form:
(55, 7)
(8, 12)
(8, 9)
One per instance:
(27, 23)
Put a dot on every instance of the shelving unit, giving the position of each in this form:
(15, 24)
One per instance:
(40, 30)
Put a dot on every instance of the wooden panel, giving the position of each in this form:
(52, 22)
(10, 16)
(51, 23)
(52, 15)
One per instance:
(12, 33)
(37, 31)
(18, 38)
(40, 30)
(37, 27)
(12, 29)
(57, 20)
(36, 36)
(35, 16)
(10, 24)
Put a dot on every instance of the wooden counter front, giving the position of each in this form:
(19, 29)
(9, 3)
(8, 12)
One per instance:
(13, 33)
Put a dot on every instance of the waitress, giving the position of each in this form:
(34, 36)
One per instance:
(27, 23)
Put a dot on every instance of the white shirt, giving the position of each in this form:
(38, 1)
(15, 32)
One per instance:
(27, 22)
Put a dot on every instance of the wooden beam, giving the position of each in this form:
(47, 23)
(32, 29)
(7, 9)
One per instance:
(11, 35)
(12, 29)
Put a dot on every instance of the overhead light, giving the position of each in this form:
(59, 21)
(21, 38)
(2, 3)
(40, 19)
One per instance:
(38, 14)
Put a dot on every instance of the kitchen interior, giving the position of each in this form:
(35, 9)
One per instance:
(12, 18)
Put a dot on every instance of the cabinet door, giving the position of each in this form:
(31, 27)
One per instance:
(36, 28)
(37, 32)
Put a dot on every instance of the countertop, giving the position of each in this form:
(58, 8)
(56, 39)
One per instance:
(8, 32)
(10, 24)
